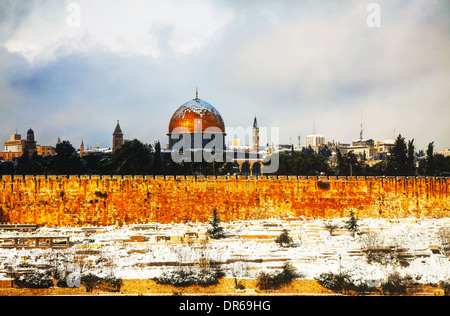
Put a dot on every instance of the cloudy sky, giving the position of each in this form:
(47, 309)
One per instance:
(289, 62)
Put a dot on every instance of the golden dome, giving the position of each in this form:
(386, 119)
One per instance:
(196, 109)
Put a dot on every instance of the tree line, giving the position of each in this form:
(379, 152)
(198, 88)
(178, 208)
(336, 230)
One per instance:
(401, 160)
(132, 158)
(137, 158)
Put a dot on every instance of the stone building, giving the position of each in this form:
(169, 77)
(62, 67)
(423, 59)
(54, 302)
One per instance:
(16, 146)
(117, 138)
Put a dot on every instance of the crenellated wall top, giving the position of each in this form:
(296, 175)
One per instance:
(209, 178)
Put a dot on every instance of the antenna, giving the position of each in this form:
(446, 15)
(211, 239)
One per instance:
(361, 129)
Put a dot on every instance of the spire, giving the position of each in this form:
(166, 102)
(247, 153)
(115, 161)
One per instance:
(118, 130)
(255, 123)
(81, 148)
(196, 93)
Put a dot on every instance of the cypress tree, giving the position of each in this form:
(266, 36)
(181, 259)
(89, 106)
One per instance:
(352, 224)
(216, 231)
(430, 164)
(411, 158)
(398, 163)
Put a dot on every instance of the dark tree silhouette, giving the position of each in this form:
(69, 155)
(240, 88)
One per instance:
(216, 231)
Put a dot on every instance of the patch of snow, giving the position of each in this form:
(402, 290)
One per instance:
(314, 250)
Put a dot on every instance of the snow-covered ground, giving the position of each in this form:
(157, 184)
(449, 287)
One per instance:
(140, 251)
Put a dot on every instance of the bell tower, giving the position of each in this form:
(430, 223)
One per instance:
(117, 138)
(30, 144)
(255, 137)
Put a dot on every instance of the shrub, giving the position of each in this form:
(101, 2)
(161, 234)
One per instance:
(336, 282)
(343, 282)
(216, 267)
(268, 281)
(36, 280)
(60, 275)
(61, 283)
(240, 286)
(395, 284)
(188, 277)
(285, 276)
(361, 287)
(91, 281)
(265, 281)
(284, 238)
(111, 284)
(445, 285)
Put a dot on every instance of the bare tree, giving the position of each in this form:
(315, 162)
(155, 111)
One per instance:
(444, 240)
(371, 240)
(216, 263)
(239, 269)
(331, 227)
(377, 250)
(11, 272)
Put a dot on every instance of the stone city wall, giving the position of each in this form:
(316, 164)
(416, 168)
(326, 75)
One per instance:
(117, 200)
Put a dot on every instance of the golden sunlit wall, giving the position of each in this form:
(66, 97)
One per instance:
(117, 200)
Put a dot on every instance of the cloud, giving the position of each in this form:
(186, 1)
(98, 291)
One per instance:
(331, 66)
(287, 62)
(135, 27)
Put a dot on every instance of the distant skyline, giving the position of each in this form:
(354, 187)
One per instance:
(291, 63)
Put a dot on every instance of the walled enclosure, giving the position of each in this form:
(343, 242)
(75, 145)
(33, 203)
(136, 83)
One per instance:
(117, 200)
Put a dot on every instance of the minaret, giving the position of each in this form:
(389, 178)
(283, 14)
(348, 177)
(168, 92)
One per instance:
(361, 128)
(81, 148)
(255, 137)
(117, 138)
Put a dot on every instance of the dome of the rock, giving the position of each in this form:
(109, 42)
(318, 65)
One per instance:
(189, 113)
(197, 117)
